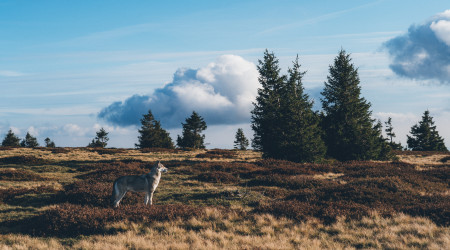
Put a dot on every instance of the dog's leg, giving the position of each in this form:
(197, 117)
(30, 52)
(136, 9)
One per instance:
(116, 203)
(147, 198)
(151, 198)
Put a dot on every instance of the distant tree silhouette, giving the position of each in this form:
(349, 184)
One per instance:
(191, 135)
(424, 136)
(11, 140)
(49, 143)
(29, 141)
(152, 135)
(350, 133)
(101, 140)
(390, 134)
(240, 142)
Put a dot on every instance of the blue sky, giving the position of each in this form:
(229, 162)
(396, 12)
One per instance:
(68, 68)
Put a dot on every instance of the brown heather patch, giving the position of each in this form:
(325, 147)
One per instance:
(20, 175)
(111, 171)
(218, 154)
(217, 177)
(24, 159)
(160, 150)
(9, 194)
(73, 220)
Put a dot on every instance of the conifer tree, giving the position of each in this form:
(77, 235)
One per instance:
(191, 135)
(101, 140)
(349, 129)
(152, 135)
(241, 142)
(300, 135)
(390, 134)
(11, 140)
(49, 143)
(265, 114)
(29, 141)
(424, 136)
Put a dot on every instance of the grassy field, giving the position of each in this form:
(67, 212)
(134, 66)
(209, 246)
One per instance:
(59, 198)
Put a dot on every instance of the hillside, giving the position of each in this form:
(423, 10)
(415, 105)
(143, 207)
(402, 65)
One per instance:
(60, 198)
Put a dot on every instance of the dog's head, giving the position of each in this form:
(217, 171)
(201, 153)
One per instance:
(160, 167)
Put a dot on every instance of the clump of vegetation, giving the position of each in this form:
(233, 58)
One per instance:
(191, 136)
(68, 220)
(11, 140)
(29, 141)
(101, 140)
(217, 154)
(24, 159)
(20, 175)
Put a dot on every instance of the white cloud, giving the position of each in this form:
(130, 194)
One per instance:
(442, 30)
(10, 73)
(222, 92)
(74, 129)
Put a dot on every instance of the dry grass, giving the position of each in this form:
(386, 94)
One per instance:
(219, 230)
(238, 194)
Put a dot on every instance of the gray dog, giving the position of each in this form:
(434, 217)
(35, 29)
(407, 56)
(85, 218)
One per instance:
(138, 183)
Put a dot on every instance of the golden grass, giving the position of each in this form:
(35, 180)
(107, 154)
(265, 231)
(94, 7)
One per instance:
(422, 160)
(217, 230)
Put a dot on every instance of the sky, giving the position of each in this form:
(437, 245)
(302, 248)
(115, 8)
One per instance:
(68, 68)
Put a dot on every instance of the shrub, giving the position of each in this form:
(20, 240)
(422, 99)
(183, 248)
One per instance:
(20, 175)
(69, 220)
(24, 159)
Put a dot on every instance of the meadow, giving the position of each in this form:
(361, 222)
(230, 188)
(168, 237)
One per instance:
(55, 198)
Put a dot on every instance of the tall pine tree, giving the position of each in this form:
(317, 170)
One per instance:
(350, 133)
(240, 142)
(152, 135)
(191, 135)
(424, 136)
(300, 135)
(265, 114)
(284, 124)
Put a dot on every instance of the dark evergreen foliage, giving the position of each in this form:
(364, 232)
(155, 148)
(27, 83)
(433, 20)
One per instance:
(284, 125)
(191, 135)
(29, 141)
(101, 140)
(241, 142)
(49, 143)
(11, 140)
(350, 133)
(152, 135)
(424, 136)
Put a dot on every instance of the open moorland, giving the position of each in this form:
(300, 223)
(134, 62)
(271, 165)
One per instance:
(60, 198)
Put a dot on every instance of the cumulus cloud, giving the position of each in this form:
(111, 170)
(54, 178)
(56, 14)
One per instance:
(222, 92)
(424, 51)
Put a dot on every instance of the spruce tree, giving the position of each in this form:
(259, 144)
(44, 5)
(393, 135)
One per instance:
(49, 143)
(29, 141)
(191, 135)
(300, 135)
(265, 114)
(152, 135)
(390, 134)
(241, 142)
(424, 136)
(349, 129)
(11, 140)
(101, 140)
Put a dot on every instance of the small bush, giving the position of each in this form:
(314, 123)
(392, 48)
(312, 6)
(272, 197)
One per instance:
(218, 154)
(217, 177)
(20, 175)
(24, 159)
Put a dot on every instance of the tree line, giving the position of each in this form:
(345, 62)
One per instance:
(285, 125)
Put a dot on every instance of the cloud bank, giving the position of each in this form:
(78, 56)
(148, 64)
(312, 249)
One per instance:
(424, 51)
(222, 93)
